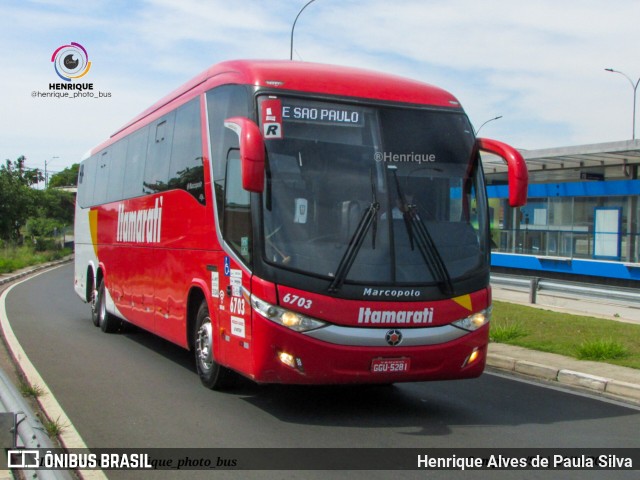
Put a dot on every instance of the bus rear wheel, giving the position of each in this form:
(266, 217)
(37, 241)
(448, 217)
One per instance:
(212, 374)
(94, 305)
(107, 322)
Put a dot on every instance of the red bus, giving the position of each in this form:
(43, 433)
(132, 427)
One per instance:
(296, 223)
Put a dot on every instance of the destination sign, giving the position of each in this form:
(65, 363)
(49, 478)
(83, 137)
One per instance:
(322, 113)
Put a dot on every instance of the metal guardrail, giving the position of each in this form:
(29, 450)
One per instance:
(537, 284)
(29, 432)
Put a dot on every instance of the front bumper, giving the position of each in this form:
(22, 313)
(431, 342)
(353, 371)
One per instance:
(445, 355)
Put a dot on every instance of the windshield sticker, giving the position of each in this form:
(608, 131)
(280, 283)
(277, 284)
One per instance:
(271, 119)
(244, 246)
(322, 113)
(301, 211)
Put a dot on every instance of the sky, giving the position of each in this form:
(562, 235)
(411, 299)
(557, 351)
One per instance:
(539, 64)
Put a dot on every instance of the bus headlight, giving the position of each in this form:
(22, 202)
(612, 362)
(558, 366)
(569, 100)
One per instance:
(287, 318)
(475, 321)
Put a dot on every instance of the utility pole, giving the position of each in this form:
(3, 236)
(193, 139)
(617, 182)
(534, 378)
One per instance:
(46, 173)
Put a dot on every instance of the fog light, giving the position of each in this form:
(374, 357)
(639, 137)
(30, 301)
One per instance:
(474, 356)
(471, 358)
(288, 359)
(291, 361)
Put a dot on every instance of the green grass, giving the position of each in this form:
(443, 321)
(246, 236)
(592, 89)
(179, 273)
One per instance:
(31, 391)
(507, 331)
(53, 427)
(15, 258)
(602, 350)
(575, 336)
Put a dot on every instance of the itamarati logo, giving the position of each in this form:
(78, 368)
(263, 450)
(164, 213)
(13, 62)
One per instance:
(71, 61)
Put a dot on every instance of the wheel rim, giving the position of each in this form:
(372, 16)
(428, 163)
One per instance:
(94, 300)
(103, 309)
(204, 345)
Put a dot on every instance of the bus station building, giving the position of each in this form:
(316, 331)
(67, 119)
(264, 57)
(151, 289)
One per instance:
(582, 218)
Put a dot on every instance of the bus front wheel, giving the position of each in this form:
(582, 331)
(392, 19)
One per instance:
(212, 374)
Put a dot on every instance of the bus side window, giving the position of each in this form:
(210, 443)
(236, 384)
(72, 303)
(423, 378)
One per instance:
(102, 175)
(222, 103)
(237, 212)
(116, 170)
(88, 180)
(156, 171)
(136, 158)
(186, 170)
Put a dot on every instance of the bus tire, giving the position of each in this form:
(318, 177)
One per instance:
(107, 322)
(212, 374)
(93, 302)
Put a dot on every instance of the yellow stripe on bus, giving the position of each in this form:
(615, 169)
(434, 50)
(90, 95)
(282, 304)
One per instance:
(93, 228)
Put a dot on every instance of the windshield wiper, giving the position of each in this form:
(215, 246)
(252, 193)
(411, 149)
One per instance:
(430, 252)
(424, 240)
(370, 217)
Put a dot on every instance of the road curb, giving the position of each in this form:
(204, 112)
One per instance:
(579, 379)
(538, 370)
(623, 389)
(69, 437)
(592, 383)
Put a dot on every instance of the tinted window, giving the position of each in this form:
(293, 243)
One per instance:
(117, 160)
(237, 212)
(222, 103)
(136, 156)
(156, 172)
(186, 169)
(86, 181)
(165, 154)
(102, 176)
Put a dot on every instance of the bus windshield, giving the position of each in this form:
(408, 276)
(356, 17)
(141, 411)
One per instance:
(369, 194)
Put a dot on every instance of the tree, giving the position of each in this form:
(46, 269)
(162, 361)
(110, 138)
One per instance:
(66, 178)
(17, 200)
(56, 205)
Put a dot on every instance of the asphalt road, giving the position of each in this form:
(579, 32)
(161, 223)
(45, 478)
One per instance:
(134, 390)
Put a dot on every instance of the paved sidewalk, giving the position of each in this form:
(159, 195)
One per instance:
(592, 306)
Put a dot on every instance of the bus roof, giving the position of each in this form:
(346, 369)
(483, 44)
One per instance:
(309, 77)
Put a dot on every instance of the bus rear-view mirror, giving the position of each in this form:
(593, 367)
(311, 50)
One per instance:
(251, 152)
(516, 169)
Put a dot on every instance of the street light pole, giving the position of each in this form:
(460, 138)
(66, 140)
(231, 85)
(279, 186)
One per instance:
(635, 91)
(294, 26)
(490, 120)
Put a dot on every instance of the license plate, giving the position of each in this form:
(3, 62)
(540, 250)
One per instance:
(390, 365)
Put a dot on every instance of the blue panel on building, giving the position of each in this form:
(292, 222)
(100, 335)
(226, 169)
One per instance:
(573, 189)
(566, 265)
